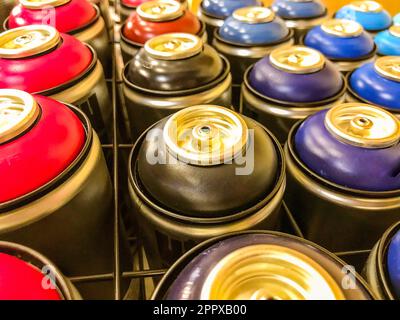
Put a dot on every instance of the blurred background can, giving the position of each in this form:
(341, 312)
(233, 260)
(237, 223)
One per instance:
(301, 15)
(154, 18)
(370, 14)
(79, 18)
(214, 12)
(342, 41)
(247, 36)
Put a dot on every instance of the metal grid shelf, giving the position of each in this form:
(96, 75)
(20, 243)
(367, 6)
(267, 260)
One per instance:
(116, 155)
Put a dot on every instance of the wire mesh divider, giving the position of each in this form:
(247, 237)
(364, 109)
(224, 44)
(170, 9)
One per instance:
(115, 153)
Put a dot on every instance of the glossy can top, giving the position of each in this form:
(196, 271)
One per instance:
(177, 61)
(299, 9)
(393, 263)
(39, 139)
(341, 39)
(159, 17)
(20, 280)
(296, 74)
(258, 266)
(378, 82)
(67, 15)
(31, 58)
(224, 8)
(388, 41)
(370, 14)
(253, 26)
(352, 145)
(202, 146)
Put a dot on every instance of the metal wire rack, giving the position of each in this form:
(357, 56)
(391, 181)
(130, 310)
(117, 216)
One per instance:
(116, 155)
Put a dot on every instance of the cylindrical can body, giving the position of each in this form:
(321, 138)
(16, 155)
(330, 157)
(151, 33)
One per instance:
(69, 218)
(243, 40)
(278, 97)
(25, 270)
(91, 95)
(301, 16)
(104, 7)
(154, 18)
(34, 67)
(79, 18)
(377, 270)
(169, 227)
(144, 110)
(342, 41)
(213, 264)
(98, 37)
(338, 210)
(152, 94)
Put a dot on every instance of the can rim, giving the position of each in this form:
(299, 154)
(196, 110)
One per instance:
(363, 125)
(167, 10)
(207, 127)
(174, 46)
(21, 34)
(297, 59)
(232, 272)
(19, 111)
(366, 6)
(394, 30)
(388, 67)
(343, 28)
(254, 14)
